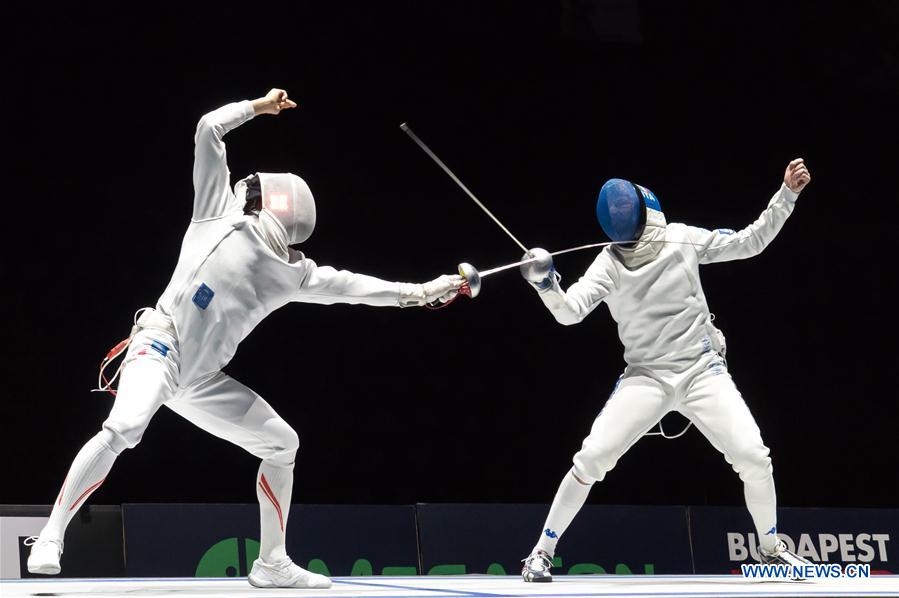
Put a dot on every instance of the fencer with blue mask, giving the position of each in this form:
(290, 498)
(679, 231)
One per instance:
(674, 354)
(629, 212)
(239, 262)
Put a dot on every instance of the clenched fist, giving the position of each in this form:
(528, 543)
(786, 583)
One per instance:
(273, 102)
(797, 175)
(442, 289)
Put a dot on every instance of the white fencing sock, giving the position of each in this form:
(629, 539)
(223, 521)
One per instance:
(568, 501)
(274, 485)
(761, 500)
(88, 471)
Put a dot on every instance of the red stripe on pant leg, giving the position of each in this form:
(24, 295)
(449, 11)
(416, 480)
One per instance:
(62, 490)
(86, 493)
(274, 501)
(267, 490)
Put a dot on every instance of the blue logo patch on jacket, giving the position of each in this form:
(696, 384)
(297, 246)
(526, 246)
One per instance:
(203, 296)
(725, 231)
(159, 348)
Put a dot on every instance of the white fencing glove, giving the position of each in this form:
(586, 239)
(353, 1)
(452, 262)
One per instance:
(442, 289)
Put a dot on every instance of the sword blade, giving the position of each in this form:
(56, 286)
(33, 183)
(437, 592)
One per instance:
(449, 172)
(484, 273)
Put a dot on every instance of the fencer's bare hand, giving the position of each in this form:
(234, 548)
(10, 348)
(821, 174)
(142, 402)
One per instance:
(273, 102)
(797, 175)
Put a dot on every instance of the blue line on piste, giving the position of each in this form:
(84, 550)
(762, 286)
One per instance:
(599, 594)
(400, 595)
(419, 588)
(308, 594)
(374, 578)
(120, 579)
(745, 593)
(474, 594)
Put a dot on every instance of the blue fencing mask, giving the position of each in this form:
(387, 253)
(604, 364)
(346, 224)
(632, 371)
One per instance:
(621, 209)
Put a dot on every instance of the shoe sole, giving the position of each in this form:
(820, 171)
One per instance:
(539, 580)
(45, 570)
(257, 584)
(271, 584)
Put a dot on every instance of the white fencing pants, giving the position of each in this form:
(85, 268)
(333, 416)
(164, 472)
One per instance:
(148, 379)
(707, 396)
(715, 406)
(226, 408)
(218, 404)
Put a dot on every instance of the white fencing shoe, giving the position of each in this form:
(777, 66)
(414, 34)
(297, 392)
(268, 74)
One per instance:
(781, 556)
(44, 557)
(536, 567)
(284, 574)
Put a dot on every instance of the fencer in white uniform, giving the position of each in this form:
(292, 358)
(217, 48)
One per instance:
(674, 353)
(237, 265)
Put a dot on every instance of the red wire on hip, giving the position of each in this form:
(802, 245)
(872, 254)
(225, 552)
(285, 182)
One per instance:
(105, 384)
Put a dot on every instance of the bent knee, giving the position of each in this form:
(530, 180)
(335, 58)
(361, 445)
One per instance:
(752, 463)
(592, 463)
(118, 437)
(283, 443)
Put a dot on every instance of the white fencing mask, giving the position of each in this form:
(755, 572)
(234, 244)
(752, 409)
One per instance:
(286, 198)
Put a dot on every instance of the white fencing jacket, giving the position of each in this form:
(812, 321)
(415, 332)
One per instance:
(660, 308)
(228, 278)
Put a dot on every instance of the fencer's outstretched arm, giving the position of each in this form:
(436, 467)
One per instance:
(326, 285)
(212, 180)
(571, 306)
(723, 245)
(213, 196)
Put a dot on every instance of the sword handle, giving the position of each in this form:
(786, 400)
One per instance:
(470, 274)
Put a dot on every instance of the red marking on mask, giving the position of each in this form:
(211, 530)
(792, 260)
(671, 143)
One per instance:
(278, 202)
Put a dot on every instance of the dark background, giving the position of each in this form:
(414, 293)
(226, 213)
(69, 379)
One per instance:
(533, 105)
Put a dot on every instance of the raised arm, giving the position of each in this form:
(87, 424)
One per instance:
(213, 196)
(326, 285)
(723, 245)
(571, 306)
